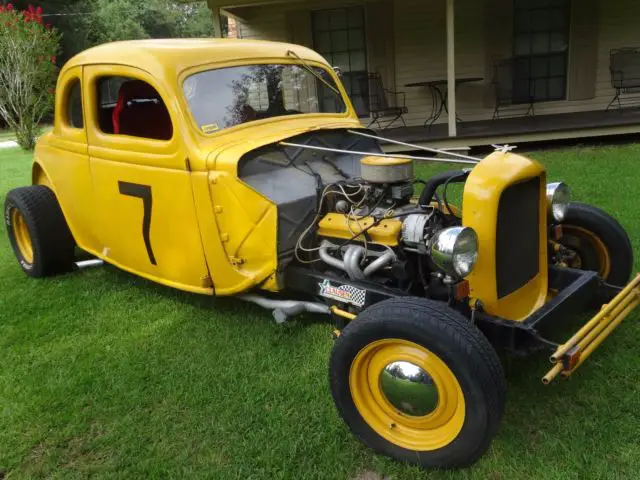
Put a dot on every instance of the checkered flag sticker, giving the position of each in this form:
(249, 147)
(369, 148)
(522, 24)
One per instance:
(343, 293)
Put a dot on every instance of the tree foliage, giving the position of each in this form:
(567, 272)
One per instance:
(27, 70)
(86, 24)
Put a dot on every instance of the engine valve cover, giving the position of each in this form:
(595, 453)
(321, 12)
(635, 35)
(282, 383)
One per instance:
(336, 225)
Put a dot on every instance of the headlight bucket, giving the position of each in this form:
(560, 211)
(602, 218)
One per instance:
(558, 200)
(455, 250)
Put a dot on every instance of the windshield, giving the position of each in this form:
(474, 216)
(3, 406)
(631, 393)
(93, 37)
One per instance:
(226, 97)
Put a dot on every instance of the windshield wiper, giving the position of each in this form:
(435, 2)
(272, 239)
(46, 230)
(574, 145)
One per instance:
(313, 72)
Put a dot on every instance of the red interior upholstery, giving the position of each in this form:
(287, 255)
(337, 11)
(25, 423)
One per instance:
(140, 112)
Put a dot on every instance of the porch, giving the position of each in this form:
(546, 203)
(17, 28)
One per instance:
(558, 56)
(561, 126)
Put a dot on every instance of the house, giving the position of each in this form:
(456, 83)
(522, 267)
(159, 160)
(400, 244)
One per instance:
(544, 63)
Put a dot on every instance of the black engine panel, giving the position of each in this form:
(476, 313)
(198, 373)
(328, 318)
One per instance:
(293, 178)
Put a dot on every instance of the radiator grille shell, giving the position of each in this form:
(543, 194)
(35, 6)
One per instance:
(518, 236)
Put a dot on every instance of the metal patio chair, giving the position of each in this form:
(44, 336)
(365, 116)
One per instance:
(504, 89)
(380, 105)
(624, 65)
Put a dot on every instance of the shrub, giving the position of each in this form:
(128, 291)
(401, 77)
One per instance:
(27, 71)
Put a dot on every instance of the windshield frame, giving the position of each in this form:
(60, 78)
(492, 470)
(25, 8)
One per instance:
(349, 112)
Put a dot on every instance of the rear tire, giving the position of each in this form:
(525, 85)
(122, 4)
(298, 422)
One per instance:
(457, 367)
(38, 232)
(600, 242)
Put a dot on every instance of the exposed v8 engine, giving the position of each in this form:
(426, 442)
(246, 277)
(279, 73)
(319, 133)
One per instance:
(363, 222)
(369, 227)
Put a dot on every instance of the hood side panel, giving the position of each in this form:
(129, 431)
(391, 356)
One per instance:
(293, 178)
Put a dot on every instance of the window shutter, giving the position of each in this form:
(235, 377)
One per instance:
(299, 23)
(498, 33)
(380, 36)
(583, 50)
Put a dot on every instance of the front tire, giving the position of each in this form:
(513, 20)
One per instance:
(597, 242)
(414, 380)
(38, 232)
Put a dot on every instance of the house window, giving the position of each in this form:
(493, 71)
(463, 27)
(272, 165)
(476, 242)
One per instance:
(339, 36)
(541, 44)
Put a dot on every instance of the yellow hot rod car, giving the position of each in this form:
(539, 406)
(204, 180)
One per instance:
(229, 167)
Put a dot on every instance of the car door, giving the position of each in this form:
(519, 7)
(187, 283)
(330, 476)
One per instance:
(145, 214)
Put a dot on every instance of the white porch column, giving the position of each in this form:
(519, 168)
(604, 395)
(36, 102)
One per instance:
(451, 67)
(217, 21)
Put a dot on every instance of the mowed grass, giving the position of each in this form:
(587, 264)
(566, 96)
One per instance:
(105, 374)
(6, 135)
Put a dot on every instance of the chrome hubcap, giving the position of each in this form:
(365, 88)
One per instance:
(409, 389)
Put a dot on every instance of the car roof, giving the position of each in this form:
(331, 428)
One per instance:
(160, 56)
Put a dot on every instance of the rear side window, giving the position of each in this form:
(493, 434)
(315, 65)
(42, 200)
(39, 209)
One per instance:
(74, 106)
(128, 106)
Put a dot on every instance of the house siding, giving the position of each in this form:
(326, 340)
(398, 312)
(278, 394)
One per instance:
(420, 49)
(270, 22)
(271, 25)
(420, 34)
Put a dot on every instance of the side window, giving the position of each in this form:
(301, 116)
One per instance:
(74, 106)
(127, 106)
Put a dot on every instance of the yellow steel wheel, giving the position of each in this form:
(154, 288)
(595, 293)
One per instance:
(593, 240)
(587, 244)
(420, 423)
(38, 231)
(22, 236)
(417, 381)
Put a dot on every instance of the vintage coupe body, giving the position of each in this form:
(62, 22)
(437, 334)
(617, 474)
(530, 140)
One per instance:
(229, 167)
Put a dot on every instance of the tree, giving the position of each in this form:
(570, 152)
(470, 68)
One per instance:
(197, 20)
(27, 71)
(101, 21)
(85, 23)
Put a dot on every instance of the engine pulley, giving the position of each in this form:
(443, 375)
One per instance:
(414, 229)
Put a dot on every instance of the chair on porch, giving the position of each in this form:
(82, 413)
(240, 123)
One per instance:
(384, 112)
(625, 74)
(504, 88)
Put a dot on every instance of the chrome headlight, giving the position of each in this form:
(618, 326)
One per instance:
(455, 250)
(558, 199)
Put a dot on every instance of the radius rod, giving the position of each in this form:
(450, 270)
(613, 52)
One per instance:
(438, 151)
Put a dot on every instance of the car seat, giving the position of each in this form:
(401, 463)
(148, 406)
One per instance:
(140, 112)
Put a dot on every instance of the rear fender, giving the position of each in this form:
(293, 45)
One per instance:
(67, 174)
(39, 176)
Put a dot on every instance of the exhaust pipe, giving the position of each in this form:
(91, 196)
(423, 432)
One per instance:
(353, 257)
(89, 263)
(388, 257)
(327, 258)
(284, 309)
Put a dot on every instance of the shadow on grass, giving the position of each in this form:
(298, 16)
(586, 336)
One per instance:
(227, 306)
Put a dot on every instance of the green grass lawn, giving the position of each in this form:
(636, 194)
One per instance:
(6, 135)
(104, 373)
